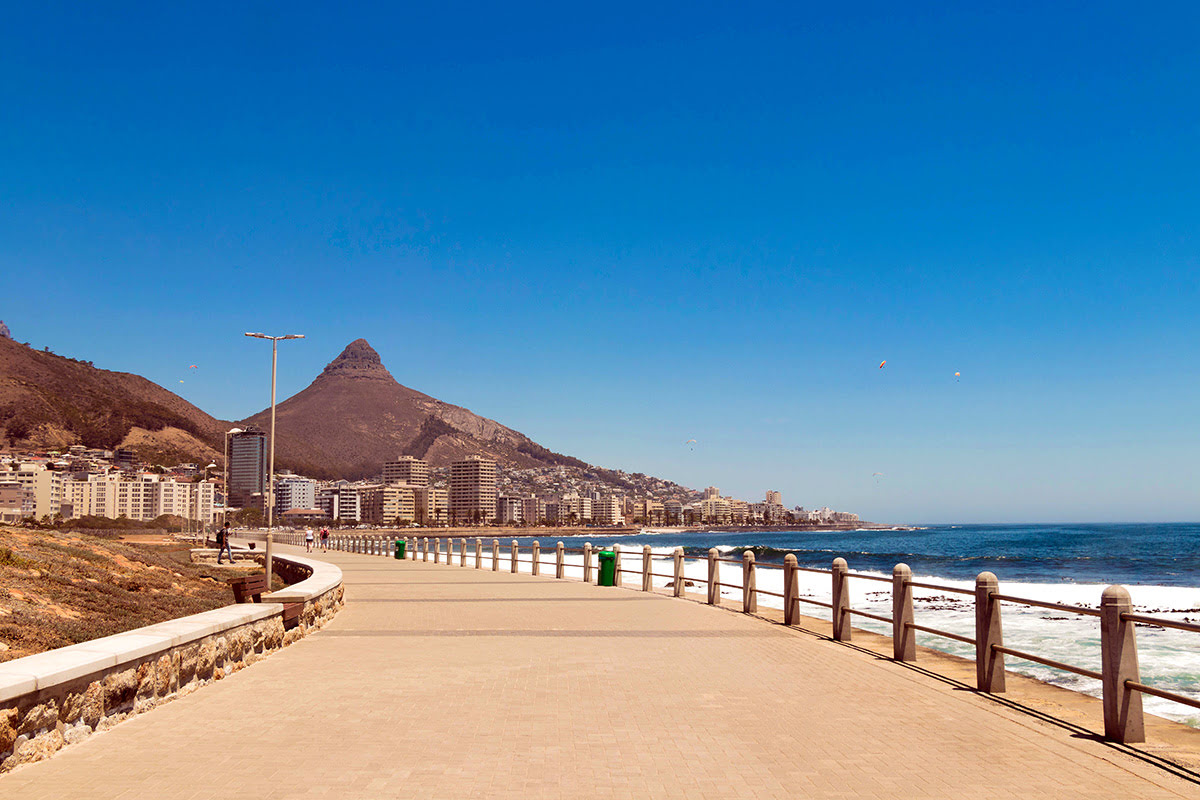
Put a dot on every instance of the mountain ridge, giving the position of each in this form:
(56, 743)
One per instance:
(355, 415)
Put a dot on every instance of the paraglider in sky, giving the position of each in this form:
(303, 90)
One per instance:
(881, 363)
(193, 366)
(957, 375)
(691, 443)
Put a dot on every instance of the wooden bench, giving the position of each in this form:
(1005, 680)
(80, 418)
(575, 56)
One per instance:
(248, 588)
(291, 615)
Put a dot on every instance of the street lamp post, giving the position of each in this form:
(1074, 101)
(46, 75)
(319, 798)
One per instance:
(203, 524)
(271, 469)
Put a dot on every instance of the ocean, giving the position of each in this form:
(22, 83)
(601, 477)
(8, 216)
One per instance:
(1070, 564)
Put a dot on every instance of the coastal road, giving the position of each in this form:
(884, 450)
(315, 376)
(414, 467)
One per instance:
(438, 681)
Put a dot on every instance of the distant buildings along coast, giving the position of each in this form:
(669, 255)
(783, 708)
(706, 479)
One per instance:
(408, 491)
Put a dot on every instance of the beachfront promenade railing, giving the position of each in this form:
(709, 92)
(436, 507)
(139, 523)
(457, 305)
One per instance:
(1119, 674)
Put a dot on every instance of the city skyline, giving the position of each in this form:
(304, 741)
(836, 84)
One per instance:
(646, 227)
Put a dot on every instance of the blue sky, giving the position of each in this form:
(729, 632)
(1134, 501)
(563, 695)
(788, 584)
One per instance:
(619, 227)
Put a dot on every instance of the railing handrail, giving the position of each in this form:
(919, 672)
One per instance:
(1122, 686)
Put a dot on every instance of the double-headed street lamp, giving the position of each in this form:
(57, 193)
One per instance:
(271, 470)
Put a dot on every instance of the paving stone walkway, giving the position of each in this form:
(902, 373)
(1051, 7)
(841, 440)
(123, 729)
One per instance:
(439, 681)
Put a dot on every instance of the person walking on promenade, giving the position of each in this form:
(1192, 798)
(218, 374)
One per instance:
(324, 540)
(223, 544)
(308, 539)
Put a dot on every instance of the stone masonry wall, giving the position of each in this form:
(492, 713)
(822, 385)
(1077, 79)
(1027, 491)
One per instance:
(36, 725)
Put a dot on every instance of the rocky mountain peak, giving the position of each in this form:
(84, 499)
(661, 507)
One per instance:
(358, 360)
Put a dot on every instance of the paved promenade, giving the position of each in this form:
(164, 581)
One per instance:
(445, 682)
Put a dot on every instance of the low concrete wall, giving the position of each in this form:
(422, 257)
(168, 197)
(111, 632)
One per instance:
(60, 697)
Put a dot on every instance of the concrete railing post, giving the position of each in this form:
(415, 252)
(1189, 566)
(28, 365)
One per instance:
(841, 601)
(587, 562)
(647, 583)
(677, 584)
(515, 551)
(449, 551)
(714, 576)
(437, 550)
(791, 589)
(424, 548)
(616, 548)
(1118, 644)
(749, 584)
(495, 555)
(989, 662)
(478, 553)
(536, 555)
(462, 552)
(558, 560)
(904, 638)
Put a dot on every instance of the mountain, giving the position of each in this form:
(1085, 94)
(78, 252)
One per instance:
(355, 416)
(51, 401)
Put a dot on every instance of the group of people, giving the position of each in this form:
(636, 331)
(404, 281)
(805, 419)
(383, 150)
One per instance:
(308, 540)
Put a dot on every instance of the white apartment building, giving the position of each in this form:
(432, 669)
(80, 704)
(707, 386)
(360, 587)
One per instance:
(44, 483)
(473, 490)
(293, 491)
(716, 510)
(607, 511)
(141, 497)
(340, 501)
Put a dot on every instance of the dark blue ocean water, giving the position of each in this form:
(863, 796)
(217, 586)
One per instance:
(1162, 554)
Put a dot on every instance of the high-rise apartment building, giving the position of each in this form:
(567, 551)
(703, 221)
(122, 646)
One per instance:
(473, 490)
(712, 493)
(388, 505)
(293, 491)
(432, 505)
(406, 469)
(509, 509)
(607, 511)
(774, 498)
(247, 467)
(340, 501)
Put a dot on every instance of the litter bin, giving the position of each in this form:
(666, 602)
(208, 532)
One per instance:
(400, 549)
(608, 568)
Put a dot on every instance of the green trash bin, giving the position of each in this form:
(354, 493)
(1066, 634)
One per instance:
(399, 549)
(608, 568)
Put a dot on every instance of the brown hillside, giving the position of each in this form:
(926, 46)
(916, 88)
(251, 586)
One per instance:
(49, 399)
(355, 416)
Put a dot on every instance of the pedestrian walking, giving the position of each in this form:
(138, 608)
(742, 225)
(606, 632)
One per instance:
(223, 544)
(308, 539)
(324, 540)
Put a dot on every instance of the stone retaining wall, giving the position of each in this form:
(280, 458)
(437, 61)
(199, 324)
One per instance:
(60, 697)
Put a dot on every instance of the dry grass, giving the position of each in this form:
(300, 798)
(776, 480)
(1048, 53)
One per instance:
(60, 588)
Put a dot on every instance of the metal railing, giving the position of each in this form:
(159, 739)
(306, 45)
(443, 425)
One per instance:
(1119, 676)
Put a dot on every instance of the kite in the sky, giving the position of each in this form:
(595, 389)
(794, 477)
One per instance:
(881, 363)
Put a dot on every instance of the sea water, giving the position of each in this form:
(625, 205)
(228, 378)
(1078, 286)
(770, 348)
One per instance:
(1070, 564)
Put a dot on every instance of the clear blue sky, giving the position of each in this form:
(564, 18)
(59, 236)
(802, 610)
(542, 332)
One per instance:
(619, 227)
